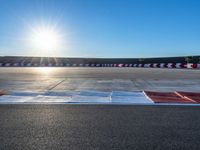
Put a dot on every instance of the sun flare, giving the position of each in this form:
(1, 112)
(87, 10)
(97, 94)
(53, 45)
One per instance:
(46, 41)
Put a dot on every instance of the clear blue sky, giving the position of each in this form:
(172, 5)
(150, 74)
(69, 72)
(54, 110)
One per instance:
(104, 28)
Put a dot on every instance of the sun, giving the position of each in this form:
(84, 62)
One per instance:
(46, 40)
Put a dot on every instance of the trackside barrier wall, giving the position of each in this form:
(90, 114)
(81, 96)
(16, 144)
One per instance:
(150, 65)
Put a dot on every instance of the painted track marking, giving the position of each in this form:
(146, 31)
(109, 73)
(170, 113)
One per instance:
(184, 97)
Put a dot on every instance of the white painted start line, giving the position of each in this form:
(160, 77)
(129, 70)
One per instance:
(88, 97)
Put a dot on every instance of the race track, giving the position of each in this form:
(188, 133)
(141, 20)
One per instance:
(80, 126)
(99, 79)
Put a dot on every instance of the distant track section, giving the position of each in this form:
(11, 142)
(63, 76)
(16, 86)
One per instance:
(192, 62)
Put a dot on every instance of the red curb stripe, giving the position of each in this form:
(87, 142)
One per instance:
(2, 93)
(191, 95)
(166, 97)
(184, 97)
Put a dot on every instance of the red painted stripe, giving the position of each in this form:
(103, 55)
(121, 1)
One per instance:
(158, 65)
(191, 95)
(165, 65)
(184, 97)
(194, 66)
(166, 97)
(2, 93)
(151, 65)
(183, 65)
(173, 65)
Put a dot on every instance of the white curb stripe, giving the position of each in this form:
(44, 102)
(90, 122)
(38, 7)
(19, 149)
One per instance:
(94, 97)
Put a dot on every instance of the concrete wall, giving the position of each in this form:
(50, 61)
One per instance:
(53, 60)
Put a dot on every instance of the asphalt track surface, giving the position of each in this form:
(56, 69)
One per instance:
(75, 127)
(97, 127)
(99, 79)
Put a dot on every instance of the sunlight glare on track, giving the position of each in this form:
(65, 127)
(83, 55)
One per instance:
(47, 71)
